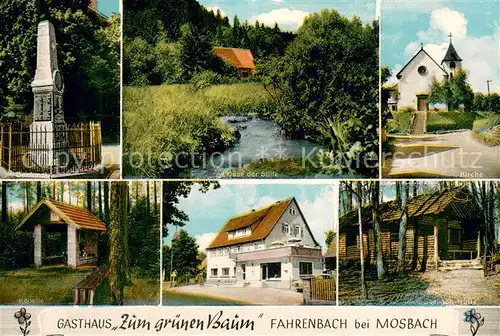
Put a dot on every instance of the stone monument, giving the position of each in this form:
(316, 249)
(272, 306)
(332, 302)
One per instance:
(48, 132)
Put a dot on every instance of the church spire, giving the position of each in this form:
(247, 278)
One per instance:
(451, 54)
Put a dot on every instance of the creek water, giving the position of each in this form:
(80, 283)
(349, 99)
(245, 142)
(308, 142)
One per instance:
(259, 139)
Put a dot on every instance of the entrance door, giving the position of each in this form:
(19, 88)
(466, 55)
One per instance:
(422, 103)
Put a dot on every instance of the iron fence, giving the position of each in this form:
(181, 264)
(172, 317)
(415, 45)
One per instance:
(50, 148)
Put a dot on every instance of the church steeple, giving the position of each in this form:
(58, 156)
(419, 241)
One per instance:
(451, 60)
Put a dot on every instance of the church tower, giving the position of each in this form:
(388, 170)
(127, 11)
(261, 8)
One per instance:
(451, 61)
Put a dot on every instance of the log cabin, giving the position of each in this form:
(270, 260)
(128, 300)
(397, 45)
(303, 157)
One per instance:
(442, 226)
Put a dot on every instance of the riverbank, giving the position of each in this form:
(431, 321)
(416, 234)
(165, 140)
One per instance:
(237, 295)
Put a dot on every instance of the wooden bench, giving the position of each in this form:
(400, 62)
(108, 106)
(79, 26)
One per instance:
(84, 290)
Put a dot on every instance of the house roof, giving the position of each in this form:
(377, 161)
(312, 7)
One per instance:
(451, 54)
(81, 218)
(239, 58)
(398, 76)
(458, 199)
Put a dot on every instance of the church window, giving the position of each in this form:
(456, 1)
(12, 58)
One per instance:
(422, 70)
(452, 65)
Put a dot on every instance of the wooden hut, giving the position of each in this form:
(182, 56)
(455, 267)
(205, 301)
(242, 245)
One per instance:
(241, 59)
(441, 226)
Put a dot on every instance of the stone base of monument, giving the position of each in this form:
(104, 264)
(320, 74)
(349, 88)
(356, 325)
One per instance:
(49, 146)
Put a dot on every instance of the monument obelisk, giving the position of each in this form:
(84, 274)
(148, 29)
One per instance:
(49, 138)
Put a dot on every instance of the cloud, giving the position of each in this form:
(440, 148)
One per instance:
(215, 8)
(480, 54)
(204, 240)
(278, 1)
(282, 16)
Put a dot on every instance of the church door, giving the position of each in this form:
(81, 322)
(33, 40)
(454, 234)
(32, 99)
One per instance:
(422, 103)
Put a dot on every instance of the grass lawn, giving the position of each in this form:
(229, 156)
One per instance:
(143, 291)
(400, 122)
(449, 121)
(182, 299)
(162, 121)
(47, 285)
(406, 291)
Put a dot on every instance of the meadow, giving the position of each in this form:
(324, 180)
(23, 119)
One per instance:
(161, 121)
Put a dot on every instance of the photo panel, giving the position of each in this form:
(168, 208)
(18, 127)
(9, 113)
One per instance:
(80, 243)
(425, 243)
(440, 89)
(251, 89)
(229, 243)
(60, 90)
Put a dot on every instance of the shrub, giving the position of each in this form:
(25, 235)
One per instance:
(205, 79)
(486, 124)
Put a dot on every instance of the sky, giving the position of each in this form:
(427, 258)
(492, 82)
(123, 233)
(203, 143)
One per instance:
(475, 26)
(108, 7)
(289, 14)
(208, 212)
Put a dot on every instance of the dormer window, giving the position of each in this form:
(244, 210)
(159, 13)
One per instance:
(239, 233)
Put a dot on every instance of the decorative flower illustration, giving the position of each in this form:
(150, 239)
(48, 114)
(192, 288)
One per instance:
(23, 318)
(475, 319)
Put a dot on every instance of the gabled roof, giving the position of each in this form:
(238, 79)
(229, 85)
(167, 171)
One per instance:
(260, 221)
(398, 76)
(239, 58)
(81, 218)
(451, 54)
(458, 199)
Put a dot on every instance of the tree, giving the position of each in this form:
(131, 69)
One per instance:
(4, 201)
(454, 91)
(375, 198)
(330, 236)
(89, 195)
(405, 191)
(185, 251)
(328, 81)
(106, 203)
(118, 242)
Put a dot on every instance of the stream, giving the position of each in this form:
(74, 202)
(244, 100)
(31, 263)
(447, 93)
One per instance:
(260, 139)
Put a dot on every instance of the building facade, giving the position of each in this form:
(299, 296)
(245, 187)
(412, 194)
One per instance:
(415, 78)
(268, 247)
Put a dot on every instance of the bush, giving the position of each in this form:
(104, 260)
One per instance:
(486, 124)
(205, 79)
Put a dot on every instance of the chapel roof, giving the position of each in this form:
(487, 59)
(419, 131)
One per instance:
(398, 76)
(451, 54)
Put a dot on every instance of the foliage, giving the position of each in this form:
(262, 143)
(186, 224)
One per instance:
(18, 253)
(88, 53)
(144, 235)
(454, 91)
(484, 102)
(328, 82)
(400, 123)
(487, 129)
(385, 74)
(329, 237)
(169, 122)
(185, 260)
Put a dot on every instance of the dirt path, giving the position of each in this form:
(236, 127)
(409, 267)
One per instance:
(462, 287)
(456, 154)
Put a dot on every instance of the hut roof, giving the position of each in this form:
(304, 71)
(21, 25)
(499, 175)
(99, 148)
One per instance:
(458, 200)
(239, 58)
(331, 252)
(69, 214)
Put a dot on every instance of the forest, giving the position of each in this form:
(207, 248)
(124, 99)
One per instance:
(129, 246)
(406, 248)
(88, 57)
(318, 83)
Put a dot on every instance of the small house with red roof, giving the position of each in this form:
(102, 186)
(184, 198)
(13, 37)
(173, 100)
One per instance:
(268, 247)
(79, 227)
(241, 59)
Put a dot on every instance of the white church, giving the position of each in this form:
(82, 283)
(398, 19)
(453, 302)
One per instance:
(415, 78)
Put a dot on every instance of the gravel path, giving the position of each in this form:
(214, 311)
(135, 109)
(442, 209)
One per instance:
(462, 287)
(250, 295)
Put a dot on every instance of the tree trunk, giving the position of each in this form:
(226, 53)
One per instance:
(89, 196)
(118, 242)
(398, 193)
(99, 202)
(402, 228)
(62, 191)
(375, 187)
(155, 191)
(148, 200)
(4, 202)
(106, 203)
(364, 293)
(39, 195)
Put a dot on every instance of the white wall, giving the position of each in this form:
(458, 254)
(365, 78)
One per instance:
(412, 82)
(291, 219)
